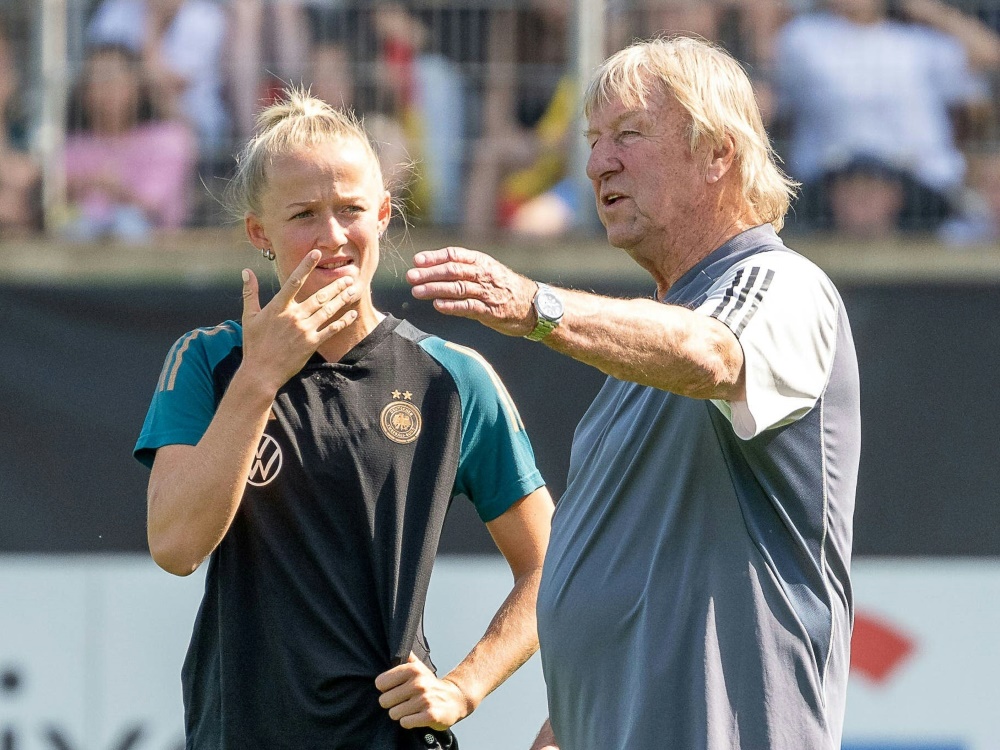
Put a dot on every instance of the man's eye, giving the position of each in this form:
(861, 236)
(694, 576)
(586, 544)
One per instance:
(302, 214)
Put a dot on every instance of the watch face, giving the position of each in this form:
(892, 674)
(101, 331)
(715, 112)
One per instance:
(549, 305)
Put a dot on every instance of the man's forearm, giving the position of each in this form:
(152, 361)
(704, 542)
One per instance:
(646, 342)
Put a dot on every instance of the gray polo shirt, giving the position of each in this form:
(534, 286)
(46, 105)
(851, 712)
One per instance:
(696, 592)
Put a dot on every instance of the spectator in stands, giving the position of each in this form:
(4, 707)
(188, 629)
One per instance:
(20, 176)
(426, 95)
(269, 44)
(127, 171)
(746, 28)
(866, 199)
(330, 75)
(978, 219)
(519, 165)
(854, 82)
(412, 95)
(181, 45)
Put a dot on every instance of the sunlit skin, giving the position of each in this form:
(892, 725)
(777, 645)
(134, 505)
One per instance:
(659, 202)
(328, 198)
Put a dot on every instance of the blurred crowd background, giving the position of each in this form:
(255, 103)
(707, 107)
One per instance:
(119, 119)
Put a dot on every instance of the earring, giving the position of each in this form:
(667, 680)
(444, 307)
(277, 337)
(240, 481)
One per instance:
(267, 252)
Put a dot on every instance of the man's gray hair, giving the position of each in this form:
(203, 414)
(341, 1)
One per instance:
(717, 94)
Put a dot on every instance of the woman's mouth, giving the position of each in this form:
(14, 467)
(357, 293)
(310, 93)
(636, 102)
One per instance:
(335, 264)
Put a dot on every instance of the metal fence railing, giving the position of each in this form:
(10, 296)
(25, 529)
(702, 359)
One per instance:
(121, 117)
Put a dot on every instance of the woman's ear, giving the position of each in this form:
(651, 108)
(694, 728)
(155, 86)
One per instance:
(255, 232)
(384, 212)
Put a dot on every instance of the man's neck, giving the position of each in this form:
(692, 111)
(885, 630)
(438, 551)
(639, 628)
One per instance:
(674, 256)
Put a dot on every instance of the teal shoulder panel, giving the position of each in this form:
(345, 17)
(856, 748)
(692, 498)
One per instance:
(497, 465)
(184, 401)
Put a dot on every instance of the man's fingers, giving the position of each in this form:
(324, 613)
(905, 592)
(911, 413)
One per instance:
(445, 254)
(464, 308)
(447, 271)
(298, 277)
(251, 297)
(411, 714)
(455, 289)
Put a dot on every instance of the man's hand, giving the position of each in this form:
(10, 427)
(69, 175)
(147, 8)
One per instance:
(415, 697)
(474, 285)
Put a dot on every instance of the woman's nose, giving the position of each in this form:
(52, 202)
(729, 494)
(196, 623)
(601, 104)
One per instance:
(335, 233)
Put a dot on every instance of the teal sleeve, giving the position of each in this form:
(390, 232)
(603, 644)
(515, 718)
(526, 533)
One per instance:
(497, 465)
(184, 401)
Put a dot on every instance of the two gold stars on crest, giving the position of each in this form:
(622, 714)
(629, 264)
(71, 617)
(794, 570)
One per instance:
(407, 396)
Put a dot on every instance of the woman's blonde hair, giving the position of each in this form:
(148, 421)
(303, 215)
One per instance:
(295, 121)
(716, 92)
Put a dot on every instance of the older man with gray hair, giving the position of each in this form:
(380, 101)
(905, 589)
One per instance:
(696, 593)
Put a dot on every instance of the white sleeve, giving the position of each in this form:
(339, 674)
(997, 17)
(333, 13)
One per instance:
(117, 22)
(784, 312)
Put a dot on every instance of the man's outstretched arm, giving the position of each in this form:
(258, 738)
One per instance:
(638, 340)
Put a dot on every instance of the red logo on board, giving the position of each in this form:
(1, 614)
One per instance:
(878, 649)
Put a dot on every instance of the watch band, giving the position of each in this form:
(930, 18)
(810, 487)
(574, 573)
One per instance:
(542, 329)
(545, 323)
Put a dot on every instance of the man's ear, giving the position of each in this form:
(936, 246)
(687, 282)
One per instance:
(255, 232)
(720, 160)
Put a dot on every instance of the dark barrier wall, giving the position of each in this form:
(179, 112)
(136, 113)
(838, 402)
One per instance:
(78, 366)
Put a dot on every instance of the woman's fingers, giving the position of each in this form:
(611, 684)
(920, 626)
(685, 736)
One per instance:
(295, 280)
(328, 310)
(329, 297)
(298, 327)
(251, 296)
(337, 325)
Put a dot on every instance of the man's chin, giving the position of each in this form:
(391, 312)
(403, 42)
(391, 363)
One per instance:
(621, 239)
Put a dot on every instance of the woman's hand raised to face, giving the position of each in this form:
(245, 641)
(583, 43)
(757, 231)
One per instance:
(280, 338)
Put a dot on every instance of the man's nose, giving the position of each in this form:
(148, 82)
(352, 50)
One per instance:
(601, 160)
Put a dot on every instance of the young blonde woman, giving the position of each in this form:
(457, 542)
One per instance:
(309, 453)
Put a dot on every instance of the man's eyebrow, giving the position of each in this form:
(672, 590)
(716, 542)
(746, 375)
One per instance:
(623, 117)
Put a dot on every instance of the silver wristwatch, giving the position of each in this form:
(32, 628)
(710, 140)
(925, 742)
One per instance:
(548, 310)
